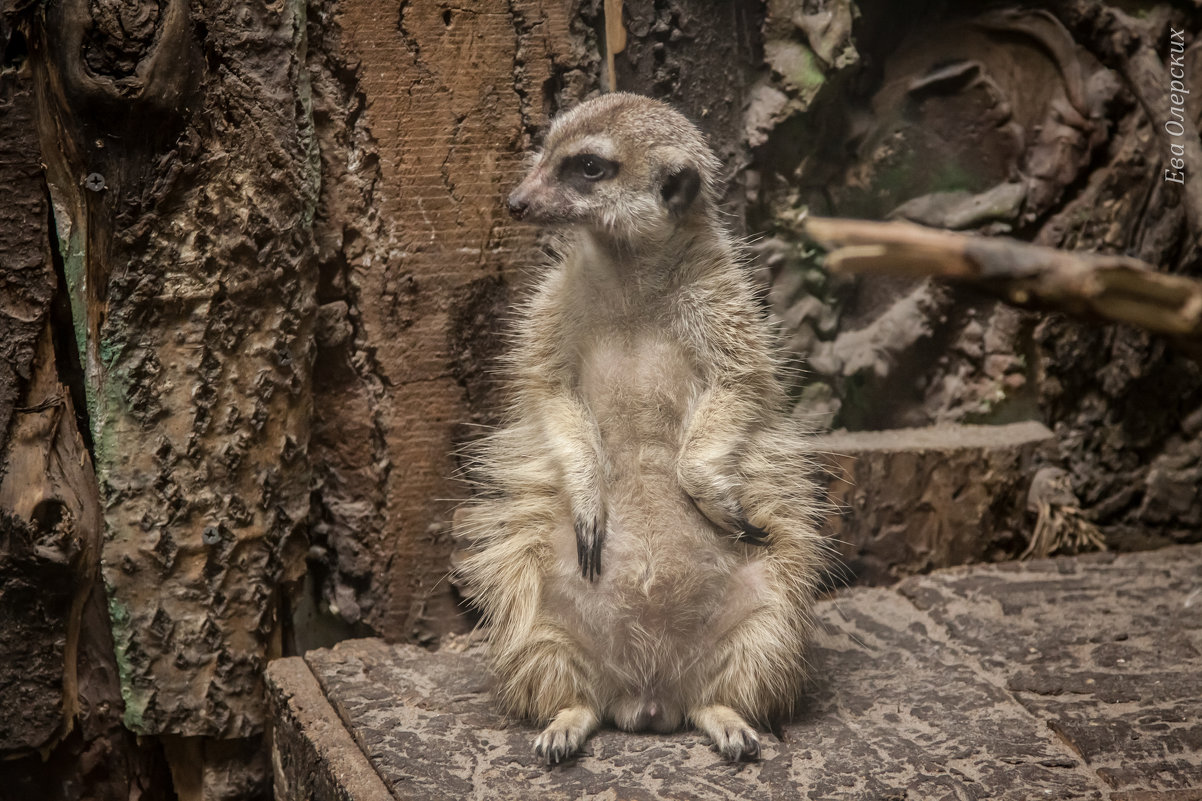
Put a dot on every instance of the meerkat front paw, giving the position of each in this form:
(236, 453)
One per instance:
(729, 516)
(565, 734)
(730, 734)
(715, 493)
(590, 542)
(748, 532)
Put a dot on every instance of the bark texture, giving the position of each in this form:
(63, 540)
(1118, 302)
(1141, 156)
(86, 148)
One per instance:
(183, 204)
(182, 171)
(60, 733)
(423, 114)
(34, 625)
(916, 499)
(27, 280)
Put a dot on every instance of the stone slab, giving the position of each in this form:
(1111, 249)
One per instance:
(1106, 649)
(965, 684)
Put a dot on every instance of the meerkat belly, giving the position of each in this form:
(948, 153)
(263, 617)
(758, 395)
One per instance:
(667, 570)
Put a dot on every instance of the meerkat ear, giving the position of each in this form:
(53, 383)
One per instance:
(680, 188)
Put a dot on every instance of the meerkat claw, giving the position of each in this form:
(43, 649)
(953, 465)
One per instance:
(751, 746)
(752, 534)
(553, 753)
(732, 737)
(590, 540)
(745, 531)
(565, 735)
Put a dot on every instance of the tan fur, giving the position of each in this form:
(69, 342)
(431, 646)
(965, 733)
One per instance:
(645, 402)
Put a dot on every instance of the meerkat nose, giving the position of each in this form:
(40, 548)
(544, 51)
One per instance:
(517, 206)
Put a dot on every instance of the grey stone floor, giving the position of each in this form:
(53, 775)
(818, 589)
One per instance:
(1062, 679)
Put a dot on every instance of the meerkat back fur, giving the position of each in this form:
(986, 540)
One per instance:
(643, 543)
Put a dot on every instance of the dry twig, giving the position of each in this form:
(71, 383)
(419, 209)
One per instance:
(1113, 288)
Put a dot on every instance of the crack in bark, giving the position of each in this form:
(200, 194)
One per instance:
(70, 371)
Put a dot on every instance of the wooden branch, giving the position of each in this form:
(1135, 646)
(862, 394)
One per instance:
(1114, 288)
(615, 40)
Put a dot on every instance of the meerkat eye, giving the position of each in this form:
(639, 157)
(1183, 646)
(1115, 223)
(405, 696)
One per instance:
(588, 168)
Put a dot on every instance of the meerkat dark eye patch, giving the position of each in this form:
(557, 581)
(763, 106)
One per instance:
(584, 169)
(680, 189)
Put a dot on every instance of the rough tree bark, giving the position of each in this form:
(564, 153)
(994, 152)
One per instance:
(424, 115)
(61, 735)
(182, 171)
(435, 103)
(284, 254)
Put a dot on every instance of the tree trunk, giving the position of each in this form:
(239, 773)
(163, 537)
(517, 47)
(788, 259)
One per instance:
(284, 253)
(423, 114)
(182, 171)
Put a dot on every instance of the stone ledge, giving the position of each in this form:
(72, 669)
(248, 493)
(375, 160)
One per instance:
(968, 683)
(313, 756)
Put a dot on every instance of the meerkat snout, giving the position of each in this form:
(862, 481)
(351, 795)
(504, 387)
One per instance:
(517, 206)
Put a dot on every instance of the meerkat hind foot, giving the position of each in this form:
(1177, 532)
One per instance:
(565, 734)
(732, 736)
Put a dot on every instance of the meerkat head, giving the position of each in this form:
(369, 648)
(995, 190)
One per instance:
(622, 166)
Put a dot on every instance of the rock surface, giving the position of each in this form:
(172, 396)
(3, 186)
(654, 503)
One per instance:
(1071, 678)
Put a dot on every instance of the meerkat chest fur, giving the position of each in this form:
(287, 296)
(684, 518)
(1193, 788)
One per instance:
(635, 356)
(631, 366)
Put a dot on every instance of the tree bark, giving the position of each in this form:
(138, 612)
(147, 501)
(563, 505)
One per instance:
(59, 668)
(182, 169)
(435, 104)
(238, 195)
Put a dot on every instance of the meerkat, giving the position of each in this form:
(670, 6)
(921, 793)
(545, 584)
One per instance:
(643, 544)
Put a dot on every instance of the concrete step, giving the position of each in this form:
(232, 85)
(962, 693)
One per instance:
(1064, 678)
